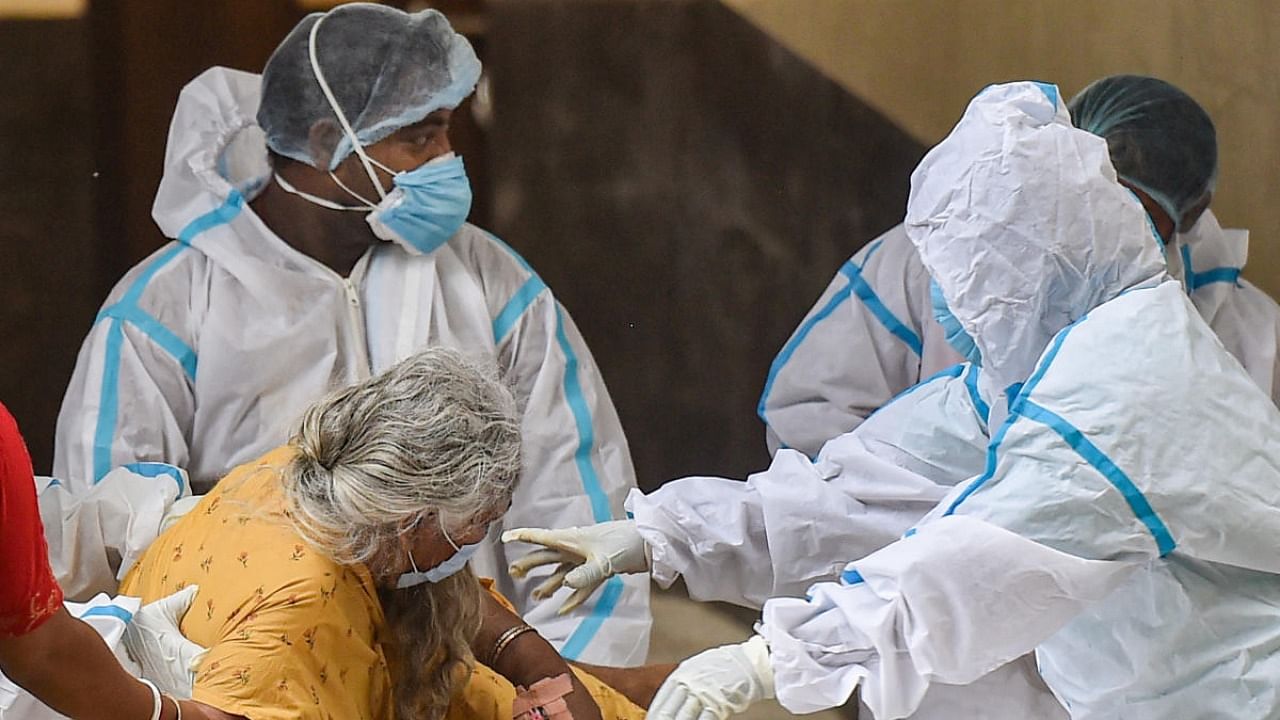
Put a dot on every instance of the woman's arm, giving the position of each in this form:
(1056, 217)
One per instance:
(528, 658)
(638, 684)
(52, 661)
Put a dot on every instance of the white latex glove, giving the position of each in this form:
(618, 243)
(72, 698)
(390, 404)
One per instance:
(585, 557)
(154, 641)
(716, 683)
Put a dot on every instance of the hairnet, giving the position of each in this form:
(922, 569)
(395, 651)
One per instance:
(1160, 140)
(387, 69)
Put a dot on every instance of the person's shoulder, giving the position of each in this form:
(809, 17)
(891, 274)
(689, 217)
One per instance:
(1140, 337)
(890, 252)
(167, 274)
(1257, 300)
(509, 283)
(490, 255)
(1126, 314)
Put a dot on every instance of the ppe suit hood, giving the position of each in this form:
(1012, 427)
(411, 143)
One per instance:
(1020, 220)
(1207, 260)
(215, 149)
(215, 163)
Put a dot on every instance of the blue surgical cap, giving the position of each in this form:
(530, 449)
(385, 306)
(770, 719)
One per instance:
(1160, 140)
(387, 68)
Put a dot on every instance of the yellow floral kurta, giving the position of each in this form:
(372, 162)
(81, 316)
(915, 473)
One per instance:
(291, 633)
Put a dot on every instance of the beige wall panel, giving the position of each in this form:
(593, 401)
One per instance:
(42, 9)
(919, 62)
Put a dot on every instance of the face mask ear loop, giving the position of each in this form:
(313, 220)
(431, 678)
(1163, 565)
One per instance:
(448, 539)
(367, 205)
(384, 167)
(322, 202)
(342, 119)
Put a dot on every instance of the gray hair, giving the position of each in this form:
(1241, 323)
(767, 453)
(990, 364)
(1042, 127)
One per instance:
(436, 433)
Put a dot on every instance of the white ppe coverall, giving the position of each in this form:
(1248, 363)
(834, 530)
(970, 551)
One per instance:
(96, 534)
(207, 352)
(1126, 525)
(871, 335)
(797, 522)
(106, 615)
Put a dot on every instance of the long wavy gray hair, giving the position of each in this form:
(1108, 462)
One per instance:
(436, 435)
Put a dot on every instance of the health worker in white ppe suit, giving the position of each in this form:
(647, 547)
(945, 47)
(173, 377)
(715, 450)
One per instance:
(871, 334)
(1122, 524)
(1162, 141)
(318, 217)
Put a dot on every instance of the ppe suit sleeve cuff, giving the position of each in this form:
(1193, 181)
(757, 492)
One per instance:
(808, 677)
(656, 530)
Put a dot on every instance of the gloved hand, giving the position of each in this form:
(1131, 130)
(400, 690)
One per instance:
(154, 641)
(716, 683)
(585, 557)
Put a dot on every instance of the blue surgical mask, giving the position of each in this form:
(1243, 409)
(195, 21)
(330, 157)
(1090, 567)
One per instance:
(957, 337)
(448, 568)
(426, 207)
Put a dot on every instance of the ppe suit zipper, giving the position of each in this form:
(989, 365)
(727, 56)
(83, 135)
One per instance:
(356, 314)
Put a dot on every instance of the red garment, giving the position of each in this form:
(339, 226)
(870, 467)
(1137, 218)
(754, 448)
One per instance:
(29, 594)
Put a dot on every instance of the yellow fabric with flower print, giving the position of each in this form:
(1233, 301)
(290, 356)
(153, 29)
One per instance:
(291, 633)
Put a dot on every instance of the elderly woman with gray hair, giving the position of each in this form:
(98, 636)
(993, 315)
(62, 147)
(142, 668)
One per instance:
(332, 571)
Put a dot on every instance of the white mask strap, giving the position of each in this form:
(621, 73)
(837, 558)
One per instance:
(448, 539)
(368, 204)
(433, 161)
(322, 202)
(384, 167)
(342, 119)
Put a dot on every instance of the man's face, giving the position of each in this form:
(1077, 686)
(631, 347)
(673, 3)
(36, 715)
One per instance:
(1164, 224)
(406, 149)
(1193, 215)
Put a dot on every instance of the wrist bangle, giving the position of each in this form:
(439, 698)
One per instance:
(177, 707)
(504, 640)
(155, 698)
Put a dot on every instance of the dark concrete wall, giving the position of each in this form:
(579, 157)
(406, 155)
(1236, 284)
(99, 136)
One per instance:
(685, 184)
(687, 187)
(47, 250)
